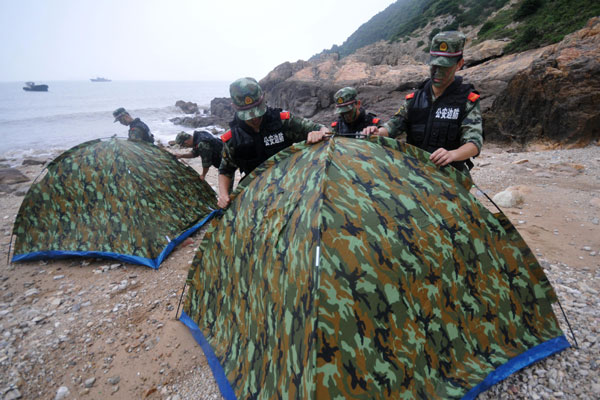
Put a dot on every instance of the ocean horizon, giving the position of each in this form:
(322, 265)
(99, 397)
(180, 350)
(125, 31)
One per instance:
(42, 124)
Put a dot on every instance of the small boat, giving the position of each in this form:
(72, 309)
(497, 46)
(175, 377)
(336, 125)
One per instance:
(32, 87)
(99, 79)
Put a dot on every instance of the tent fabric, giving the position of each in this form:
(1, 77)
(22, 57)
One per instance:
(120, 199)
(359, 269)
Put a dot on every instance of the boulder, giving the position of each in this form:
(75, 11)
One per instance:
(11, 176)
(187, 106)
(555, 99)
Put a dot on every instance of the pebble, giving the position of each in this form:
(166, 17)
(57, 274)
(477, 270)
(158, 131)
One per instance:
(90, 382)
(62, 393)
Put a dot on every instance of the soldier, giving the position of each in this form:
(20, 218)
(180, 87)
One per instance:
(137, 129)
(443, 116)
(352, 118)
(203, 144)
(258, 132)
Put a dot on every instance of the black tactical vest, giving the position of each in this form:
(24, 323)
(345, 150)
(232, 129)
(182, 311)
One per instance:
(434, 125)
(216, 146)
(146, 135)
(364, 119)
(250, 149)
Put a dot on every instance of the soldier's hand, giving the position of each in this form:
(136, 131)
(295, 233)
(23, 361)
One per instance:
(442, 157)
(315, 136)
(224, 201)
(370, 130)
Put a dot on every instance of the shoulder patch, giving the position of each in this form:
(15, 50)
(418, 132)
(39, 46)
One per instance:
(473, 96)
(334, 124)
(376, 120)
(284, 115)
(410, 96)
(226, 136)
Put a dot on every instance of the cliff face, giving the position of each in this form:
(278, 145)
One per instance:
(543, 94)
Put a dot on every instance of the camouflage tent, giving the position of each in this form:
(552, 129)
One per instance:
(357, 269)
(121, 199)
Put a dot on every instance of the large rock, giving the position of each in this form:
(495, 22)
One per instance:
(540, 94)
(556, 98)
(187, 107)
(11, 176)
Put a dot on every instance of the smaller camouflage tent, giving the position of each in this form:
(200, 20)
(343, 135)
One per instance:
(120, 199)
(357, 269)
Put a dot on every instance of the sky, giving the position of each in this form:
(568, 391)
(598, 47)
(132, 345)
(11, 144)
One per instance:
(47, 40)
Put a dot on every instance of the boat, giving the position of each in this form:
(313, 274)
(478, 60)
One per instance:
(32, 87)
(99, 79)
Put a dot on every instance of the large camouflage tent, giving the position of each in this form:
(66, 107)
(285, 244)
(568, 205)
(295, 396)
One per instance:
(120, 199)
(358, 269)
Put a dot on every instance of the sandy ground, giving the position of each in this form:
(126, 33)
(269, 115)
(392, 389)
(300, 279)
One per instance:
(101, 329)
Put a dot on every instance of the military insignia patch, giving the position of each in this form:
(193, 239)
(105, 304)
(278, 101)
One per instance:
(340, 100)
(443, 46)
(248, 100)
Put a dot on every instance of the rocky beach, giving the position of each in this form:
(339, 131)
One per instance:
(97, 329)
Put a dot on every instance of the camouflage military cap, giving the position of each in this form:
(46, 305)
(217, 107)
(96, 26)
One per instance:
(119, 112)
(344, 99)
(182, 137)
(248, 98)
(447, 48)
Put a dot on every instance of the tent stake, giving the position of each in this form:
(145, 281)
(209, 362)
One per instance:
(568, 324)
(9, 249)
(180, 299)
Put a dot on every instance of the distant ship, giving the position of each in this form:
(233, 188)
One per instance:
(32, 87)
(99, 79)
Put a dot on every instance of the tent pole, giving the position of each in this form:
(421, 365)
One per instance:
(180, 299)
(568, 323)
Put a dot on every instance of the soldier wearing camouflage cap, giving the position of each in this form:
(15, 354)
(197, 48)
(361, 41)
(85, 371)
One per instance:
(443, 116)
(203, 144)
(352, 118)
(258, 132)
(137, 129)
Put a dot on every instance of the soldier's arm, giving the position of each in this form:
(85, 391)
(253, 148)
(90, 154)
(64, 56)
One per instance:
(298, 128)
(205, 154)
(227, 166)
(471, 130)
(397, 124)
(135, 133)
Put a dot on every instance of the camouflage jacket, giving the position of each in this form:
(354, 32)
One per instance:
(245, 149)
(363, 120)
(208, 147)
(436, 113)
(140, 131)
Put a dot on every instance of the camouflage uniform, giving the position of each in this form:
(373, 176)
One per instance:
(345, 101)
(137, 129)
(246, 149)
(449, 121)
(205, 146)
(140, 131)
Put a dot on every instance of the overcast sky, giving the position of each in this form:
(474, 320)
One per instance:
(43, 40)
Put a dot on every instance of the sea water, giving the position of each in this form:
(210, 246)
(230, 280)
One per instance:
(42, 124)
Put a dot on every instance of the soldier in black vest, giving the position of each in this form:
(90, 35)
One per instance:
(352, 118)
(258, 132)
(443, 116)
(203, 144)
(137, 129)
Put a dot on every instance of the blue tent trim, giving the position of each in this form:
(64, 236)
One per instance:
(217, 370)
(149, 262)
(519, 362)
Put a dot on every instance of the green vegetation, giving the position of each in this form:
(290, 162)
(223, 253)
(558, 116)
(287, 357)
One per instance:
(541, 22)
(528, 23)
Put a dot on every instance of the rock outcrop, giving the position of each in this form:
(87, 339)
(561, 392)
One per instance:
(542, 94)
(556, 98)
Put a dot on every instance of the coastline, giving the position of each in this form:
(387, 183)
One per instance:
(106, 329)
